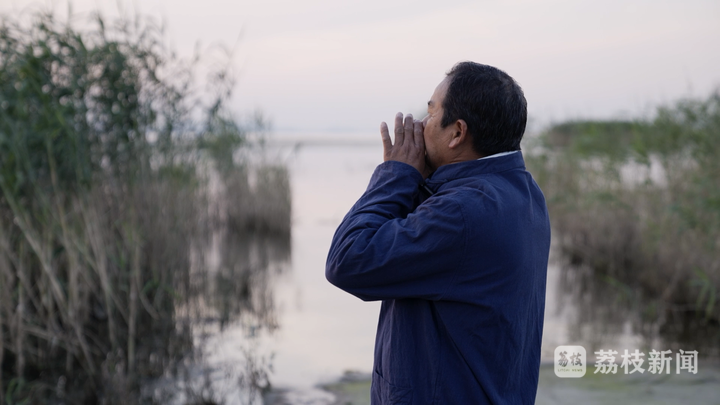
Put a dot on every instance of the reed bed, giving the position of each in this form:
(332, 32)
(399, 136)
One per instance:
(107, 211)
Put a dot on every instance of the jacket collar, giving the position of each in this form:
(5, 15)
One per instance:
(471, 168)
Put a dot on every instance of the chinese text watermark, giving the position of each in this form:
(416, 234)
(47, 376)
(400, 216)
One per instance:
(570, 362)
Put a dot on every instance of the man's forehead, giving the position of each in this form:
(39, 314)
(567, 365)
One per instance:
(439, 93)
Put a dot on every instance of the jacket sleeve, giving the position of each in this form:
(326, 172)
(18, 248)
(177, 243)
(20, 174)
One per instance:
(383, 249)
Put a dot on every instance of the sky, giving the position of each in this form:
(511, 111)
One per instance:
(344, 66)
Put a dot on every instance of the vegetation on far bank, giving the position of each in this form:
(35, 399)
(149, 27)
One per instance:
(638, 204)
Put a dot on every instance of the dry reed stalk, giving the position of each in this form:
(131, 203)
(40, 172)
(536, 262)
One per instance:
(73, 285)
(4, 270)
(139, 245)
(134, 291)
(2, 352)
(97, 257)
(20, 334)
(99, 264)
(36, 245)
(73, 306)
(23, 278)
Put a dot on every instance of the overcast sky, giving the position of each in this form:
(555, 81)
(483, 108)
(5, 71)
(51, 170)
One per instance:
(347, 65)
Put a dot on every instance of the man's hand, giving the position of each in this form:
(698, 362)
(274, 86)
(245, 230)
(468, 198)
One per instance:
(409, 143)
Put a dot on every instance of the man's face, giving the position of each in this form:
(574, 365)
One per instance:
(437, 138)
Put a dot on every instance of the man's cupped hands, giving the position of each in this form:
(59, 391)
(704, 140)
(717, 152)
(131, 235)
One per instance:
(409, 146)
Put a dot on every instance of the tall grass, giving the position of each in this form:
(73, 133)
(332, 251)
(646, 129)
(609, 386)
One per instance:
(639, 203)
(106, 207)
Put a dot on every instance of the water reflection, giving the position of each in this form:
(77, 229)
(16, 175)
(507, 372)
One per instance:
(229, 288)
(241, 243)
(241, 267)
(603, 313)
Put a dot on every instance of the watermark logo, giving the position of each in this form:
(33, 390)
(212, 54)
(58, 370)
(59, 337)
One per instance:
(570, 361)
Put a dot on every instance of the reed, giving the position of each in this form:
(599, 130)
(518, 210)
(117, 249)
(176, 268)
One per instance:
(104, 196)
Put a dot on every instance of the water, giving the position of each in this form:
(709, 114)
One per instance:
(323, 332)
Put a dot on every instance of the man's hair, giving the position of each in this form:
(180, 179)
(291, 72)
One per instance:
(490, 102)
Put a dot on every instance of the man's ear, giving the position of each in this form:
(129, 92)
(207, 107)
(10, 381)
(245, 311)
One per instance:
(460, 134)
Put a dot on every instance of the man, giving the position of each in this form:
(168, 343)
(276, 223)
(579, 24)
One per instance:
(459, 260)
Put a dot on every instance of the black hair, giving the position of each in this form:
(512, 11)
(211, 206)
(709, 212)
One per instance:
(490, 102)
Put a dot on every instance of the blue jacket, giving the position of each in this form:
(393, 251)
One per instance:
(461, 276)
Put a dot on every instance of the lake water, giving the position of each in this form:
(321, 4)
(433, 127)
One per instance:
(323, 332)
